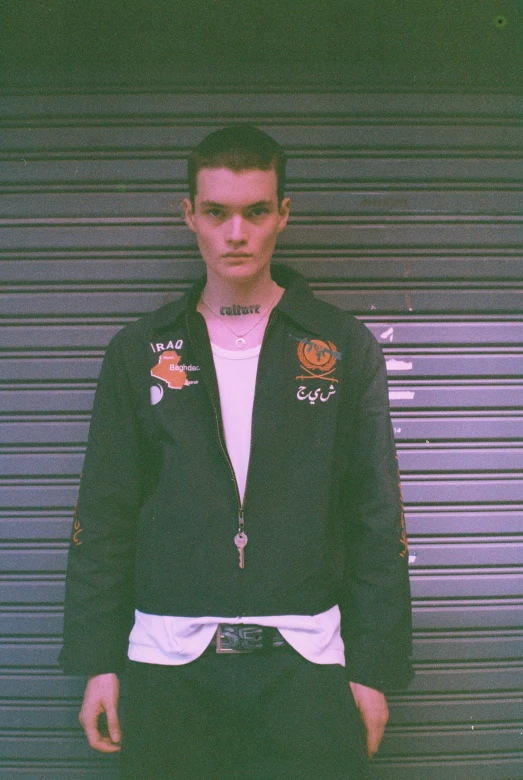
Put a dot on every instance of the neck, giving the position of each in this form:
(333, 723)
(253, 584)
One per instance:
(227, 292)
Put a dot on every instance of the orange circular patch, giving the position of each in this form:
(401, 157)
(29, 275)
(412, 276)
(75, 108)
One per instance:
(316, 354)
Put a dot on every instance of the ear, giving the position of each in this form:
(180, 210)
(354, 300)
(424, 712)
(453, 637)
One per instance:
(188, 213)
(284, 211)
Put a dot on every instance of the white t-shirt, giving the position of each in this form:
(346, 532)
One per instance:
(167, 639)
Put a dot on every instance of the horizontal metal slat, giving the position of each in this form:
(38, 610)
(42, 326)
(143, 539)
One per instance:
(434, 648)
(257, 106)
(340, 167)
(496, 766)
(460, 584)
(49, 770)
(346, 134)
(439, 491)
(458, 616)
(454, 678)
(460, 459)
(165, 200)
(432, 333)
(133, 302)
(47, 558)
(171, 266)
(447, 395)
(64, 367)
(438, 740)
(426, 301)
(51, 556)
(65, 431)
(465, 584)
(46, 747)
(449, 678)
(70, 366)
(47, 399)
(414, 711)
(428, 428)
(28, 655)
(35, 525)
(403, 394)
(47, 494)
(47, 621)
(167, 232)
(51, 685)
(461, 521)
(456, 428)
(473, 521)
(33, 590)
(71, 334)
(51, 463)
(458, 708)
(468, 647)
(469, 551)
(410, 742)
(414, 460)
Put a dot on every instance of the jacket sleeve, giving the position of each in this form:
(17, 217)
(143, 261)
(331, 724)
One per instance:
(376, 607)
(99, 584)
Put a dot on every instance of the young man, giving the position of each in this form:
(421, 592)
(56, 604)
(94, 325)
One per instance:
(240, 511)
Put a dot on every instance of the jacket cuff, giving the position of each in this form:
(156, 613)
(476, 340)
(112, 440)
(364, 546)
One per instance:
(84, 662)
(389, 673)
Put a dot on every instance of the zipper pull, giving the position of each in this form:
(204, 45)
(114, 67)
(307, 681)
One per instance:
(240, 540)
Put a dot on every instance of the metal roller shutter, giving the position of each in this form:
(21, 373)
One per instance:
(407, 211)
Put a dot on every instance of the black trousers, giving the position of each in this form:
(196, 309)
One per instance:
(267, 715)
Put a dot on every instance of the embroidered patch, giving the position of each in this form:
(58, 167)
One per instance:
(169, 371)
(318, 359)
(156, 394)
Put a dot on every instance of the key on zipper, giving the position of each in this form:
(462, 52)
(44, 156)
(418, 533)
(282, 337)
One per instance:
(240, 540)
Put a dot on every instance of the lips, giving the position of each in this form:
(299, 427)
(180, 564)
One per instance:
(237, 255)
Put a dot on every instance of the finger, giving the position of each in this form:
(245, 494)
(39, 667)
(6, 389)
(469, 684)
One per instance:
(374, 737)
(113, 724)
(96, 740)
(104, 745)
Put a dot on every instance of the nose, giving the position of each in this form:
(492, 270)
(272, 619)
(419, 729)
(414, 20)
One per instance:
(236, 232)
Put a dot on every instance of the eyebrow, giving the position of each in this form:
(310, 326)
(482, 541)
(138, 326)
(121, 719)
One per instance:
(205, 204)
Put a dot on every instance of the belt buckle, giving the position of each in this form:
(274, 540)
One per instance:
(220, 647)
(242, 639)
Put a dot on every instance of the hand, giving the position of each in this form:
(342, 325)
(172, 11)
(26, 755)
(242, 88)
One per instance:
(374, 712)
(101, 695)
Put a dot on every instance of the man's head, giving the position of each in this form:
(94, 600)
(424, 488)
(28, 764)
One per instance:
(235, 208)
(239, 147)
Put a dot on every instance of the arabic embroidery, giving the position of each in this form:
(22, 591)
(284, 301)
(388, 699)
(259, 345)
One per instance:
(403, 538)
(311, 396)
(77, 528)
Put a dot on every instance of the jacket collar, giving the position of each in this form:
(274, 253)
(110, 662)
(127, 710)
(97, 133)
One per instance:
(298, 303)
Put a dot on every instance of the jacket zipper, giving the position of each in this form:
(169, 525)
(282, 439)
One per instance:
(241, 504)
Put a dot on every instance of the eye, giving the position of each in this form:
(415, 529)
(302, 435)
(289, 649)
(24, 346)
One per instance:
(216, 213)
(259, 211)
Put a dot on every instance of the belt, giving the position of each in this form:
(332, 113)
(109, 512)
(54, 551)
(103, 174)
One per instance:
(242, 638)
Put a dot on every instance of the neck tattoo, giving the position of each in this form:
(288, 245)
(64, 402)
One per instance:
(240, 340)
(234, 309)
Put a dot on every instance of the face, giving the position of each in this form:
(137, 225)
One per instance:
(236, 220)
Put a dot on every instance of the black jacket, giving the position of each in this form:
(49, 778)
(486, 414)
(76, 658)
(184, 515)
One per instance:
(158, 505)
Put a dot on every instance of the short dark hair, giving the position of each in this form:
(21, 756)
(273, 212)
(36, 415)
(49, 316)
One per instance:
(239, 147)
